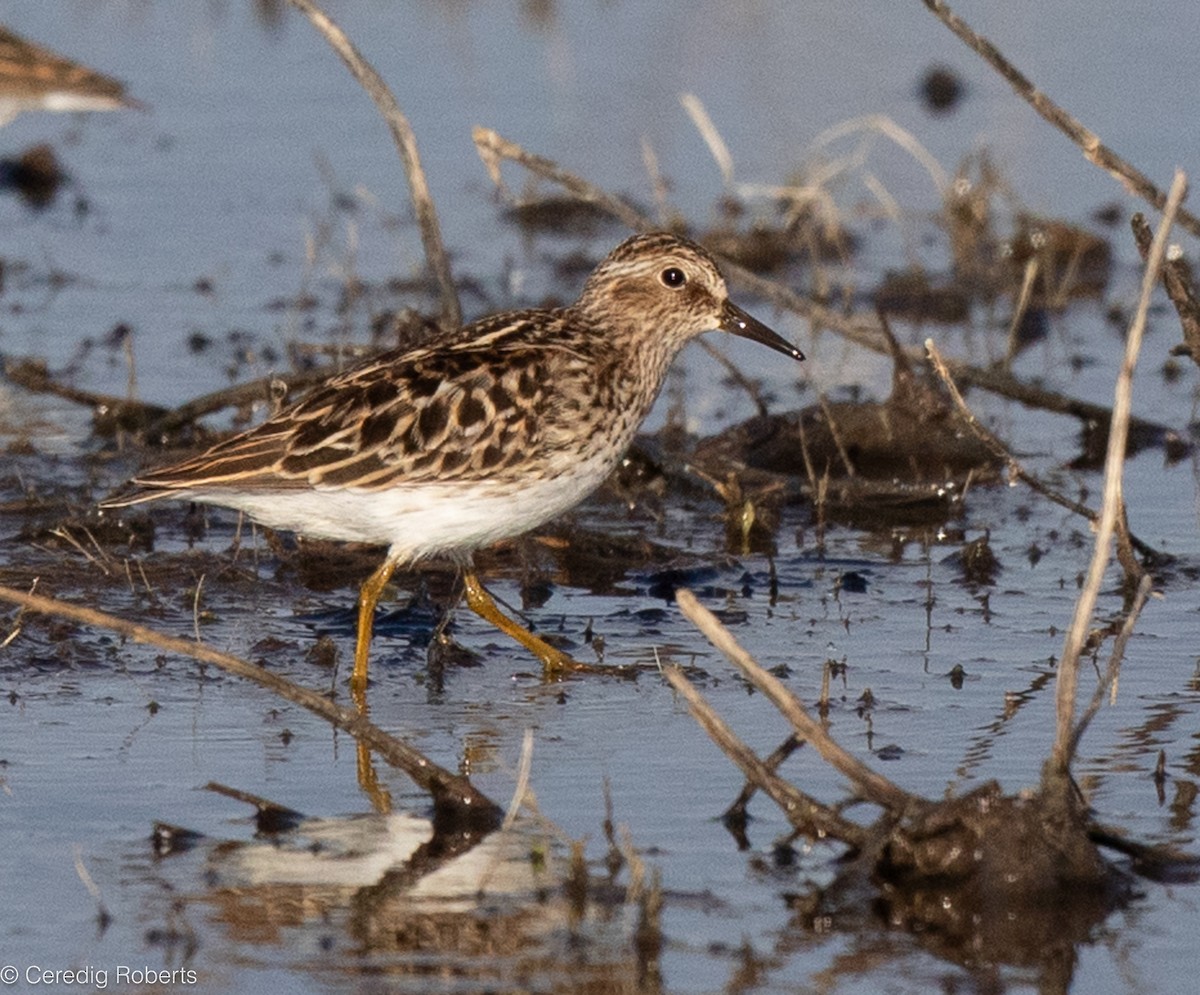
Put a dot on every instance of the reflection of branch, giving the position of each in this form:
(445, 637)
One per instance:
(802, 811)
(406, 143)
(1095, 151)
(448, 789)
(1113, 508)
(870, 785)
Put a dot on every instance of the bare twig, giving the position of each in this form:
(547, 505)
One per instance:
(1002, 453)
(1018, 315)
(870, 785)
(89, 883)
(493, 147)
(1114, 663)
(406, 143)
(752, 389)
(1095, 151)
(708, 131)
(196, 609)
(884, 125)
(1177, 280)
(832, 425)
(33, 375)
(16, 629)
(63, 533)
(446, 788)
(1114, 463)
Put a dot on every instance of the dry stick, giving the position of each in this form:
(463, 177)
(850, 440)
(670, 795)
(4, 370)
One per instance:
(752, 389)
(870, 785)
(1002, 453)
(159, 421)
(444, 786)
(492, 147)
(238, 395)
(831, 424)
(1114, 462)
(406, 143)
(34, 377)
(694, 108)
(1018, 316)
(1114, 663)
(1093, 149)
(804, 813)
(1177, 279)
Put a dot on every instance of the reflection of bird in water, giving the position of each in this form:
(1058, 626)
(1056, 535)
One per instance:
(34, 78)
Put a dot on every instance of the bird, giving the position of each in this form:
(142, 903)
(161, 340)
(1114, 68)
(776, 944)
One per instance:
(35, 78)
(479, 435)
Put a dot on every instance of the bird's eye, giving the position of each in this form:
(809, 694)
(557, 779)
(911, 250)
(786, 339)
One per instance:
(673, 277)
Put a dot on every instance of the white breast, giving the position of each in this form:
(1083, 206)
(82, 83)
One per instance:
(420, 520)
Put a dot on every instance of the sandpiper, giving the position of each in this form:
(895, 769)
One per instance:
(35, 78)
(481, 435)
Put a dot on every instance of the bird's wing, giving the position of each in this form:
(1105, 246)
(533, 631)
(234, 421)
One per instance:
(470, 407)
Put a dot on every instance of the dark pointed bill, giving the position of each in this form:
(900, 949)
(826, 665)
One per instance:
(737, 322)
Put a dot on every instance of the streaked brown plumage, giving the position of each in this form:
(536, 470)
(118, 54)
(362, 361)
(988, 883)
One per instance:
(482, 435)
(35, 78)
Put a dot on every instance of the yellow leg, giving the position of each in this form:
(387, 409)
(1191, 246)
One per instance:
(482, 604)
(368, 780)
(368, 597)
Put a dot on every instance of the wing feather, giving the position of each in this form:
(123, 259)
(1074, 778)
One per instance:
(473, 405)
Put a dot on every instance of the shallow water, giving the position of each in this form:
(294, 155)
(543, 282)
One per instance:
(222, 181)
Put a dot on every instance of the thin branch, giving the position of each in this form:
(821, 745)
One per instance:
(32, 375)
(1114, 464)
(752, 388)
(866, 333)
(445, 787)
(884, 125)
(708, 131)
(1095, 151)
(1002, 453)
(1114, 663)
(522, 787)
(492, 148)
(1177, 280)
(772, 762)
(406, 143)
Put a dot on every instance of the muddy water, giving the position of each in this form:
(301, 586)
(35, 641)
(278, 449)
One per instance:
(192, 232)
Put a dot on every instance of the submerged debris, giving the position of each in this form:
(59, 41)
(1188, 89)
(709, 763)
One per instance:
(36, 175)
(941, 89)
(914, 295)
(981, 879)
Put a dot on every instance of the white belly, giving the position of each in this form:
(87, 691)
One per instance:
(419, 520)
